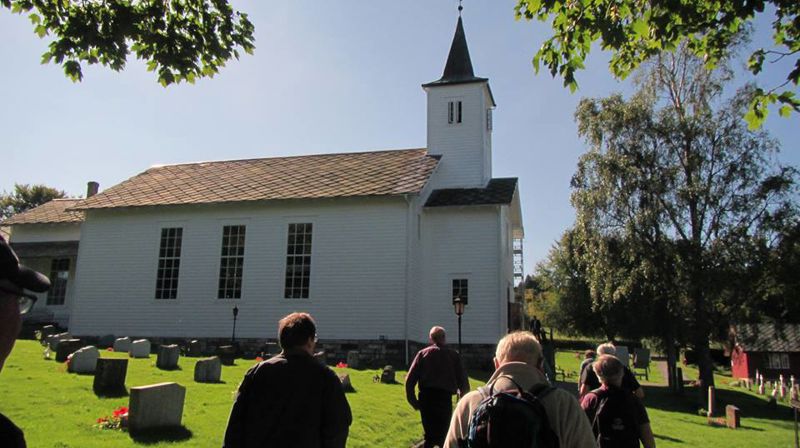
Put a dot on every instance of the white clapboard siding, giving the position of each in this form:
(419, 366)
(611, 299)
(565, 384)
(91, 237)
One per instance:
(460, 242)
(465, 147)
(358, 270)
(45, 233)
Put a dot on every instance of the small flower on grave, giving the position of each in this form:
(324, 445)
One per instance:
(259, 359)
(110, 349)
(117, 420)
(341, 365)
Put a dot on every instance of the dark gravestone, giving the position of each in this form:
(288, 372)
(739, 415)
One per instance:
(106, 341)
(732, 417)
(208, 370)
(388, 375)
(168, 357)
(47, 330)
(67, 347)
(109, 376)
(227, 354)
(195, 348)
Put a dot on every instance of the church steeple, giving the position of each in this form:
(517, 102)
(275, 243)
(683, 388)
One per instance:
(458, 68)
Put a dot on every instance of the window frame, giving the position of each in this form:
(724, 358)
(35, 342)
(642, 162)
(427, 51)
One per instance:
(57, 295)
(463, 281)
(297, 277)
(229, 287)
(162, 291)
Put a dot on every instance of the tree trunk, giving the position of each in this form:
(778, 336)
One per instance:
(672, 363)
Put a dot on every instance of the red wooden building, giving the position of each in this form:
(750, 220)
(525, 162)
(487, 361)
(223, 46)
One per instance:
(766, 348)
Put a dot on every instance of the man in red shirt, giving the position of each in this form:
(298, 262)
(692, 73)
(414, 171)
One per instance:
(440, 374)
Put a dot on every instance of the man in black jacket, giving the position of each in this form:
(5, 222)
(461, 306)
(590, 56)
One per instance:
(290, 400)
(14, 302)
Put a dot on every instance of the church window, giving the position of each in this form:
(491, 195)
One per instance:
(454, 112)
(59, 274)
(169, 262)
(298, 261)
(461, 289)
(231, 263)
(777, 361)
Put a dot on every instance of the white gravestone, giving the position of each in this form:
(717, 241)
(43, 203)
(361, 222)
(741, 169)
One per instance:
(208, 370)
(84, 360)
(122, 344)
(140, 348)
(155, 406)
(623, 355)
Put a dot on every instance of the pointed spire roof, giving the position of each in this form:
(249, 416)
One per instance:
(458, 69)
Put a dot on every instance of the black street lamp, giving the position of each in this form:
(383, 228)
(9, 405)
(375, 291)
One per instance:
(458, 305)
(233, 334)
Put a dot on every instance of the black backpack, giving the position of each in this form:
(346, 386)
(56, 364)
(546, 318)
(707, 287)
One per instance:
(614, 422)
(510, 419)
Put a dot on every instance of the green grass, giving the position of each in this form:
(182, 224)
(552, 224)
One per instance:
(58, 409)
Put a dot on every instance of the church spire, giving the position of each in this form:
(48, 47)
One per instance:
(458, 68)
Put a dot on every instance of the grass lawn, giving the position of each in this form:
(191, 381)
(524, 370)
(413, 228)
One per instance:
(57, 409)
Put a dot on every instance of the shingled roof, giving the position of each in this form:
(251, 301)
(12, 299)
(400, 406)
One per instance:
(57, 211)
(497, 191)
(768, 337)
(379, 173)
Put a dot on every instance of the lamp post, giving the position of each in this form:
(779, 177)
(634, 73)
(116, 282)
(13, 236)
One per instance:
(458, 305)
(233, 334)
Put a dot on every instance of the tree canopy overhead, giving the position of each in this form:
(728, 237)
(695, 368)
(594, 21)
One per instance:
(635, 30)
(180, 40)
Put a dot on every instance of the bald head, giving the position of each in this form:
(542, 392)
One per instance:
(519, 346)
(437, 335)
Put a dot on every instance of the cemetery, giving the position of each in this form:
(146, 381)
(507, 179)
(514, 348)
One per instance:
(162, 401)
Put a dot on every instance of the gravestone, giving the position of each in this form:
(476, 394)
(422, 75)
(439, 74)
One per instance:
(208, 370)
(168, 357)
(732, 417)
(388, 375)
(67, 347)
(84, 360)
(347, 385)
(352, 359)
(155, 406)
(623, 355)
(195, 348)
(641, 358)
(140, 348)
(47, 330)
(54, 339)
(106, 341)
(227, 354)
(122, 344)
(109, 376)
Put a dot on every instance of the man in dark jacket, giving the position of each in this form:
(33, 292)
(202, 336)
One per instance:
(290, 400)
(440, 375)
(14, 302)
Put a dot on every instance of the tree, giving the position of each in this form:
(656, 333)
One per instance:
(672, 193)
(181, 40)
(26, 197)
(636, 30)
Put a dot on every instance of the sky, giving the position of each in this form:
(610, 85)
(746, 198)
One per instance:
(326, 77)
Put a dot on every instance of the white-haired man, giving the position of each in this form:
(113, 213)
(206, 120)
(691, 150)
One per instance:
(518, 362)
(589, 380)
(619, 420)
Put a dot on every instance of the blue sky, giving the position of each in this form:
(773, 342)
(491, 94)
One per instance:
(325, 77)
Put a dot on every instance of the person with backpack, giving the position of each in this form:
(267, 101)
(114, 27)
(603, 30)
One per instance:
(589, 381)
(618, 417)
(518, 407)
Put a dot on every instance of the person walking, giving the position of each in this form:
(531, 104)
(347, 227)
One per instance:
(518, 364)
(589, 380)
(440, 374)
(290, 400)
(14, 302)
(619, 419)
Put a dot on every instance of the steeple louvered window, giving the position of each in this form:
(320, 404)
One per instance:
(454, 112)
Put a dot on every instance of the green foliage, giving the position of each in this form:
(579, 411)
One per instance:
(26, 197)
(636, 30)
(180, 40)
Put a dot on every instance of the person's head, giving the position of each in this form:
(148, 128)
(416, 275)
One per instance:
(607, 349)
(437, 336)
(589, 354)
(609, 369)
(297, 331)
(14, 300)
(519, 346)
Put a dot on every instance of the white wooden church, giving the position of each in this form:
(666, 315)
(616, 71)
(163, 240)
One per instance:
(375, 245)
